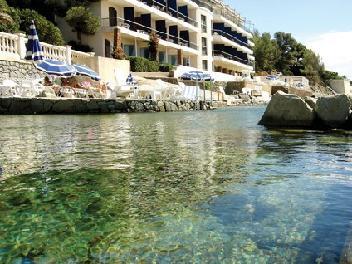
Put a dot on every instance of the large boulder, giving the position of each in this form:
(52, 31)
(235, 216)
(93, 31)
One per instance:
(288, 110)
(333, 111)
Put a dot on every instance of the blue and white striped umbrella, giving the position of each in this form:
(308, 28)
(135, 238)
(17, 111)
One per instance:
(34, 49)
(55, 67)
(130, 80)
(84, 70)
(196, 76)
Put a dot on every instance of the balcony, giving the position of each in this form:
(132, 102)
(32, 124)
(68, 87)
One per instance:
(135, 27)
(170, 11)
(223, 54)
(230, 37)
(242, 23)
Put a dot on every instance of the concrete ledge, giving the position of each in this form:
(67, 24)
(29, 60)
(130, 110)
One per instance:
(31, 106)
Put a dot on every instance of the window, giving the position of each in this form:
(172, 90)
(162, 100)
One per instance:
(112, 17)
(173, 59)
(204, 24)
(204, 46)
(144, 52)
(107, 48)
(129, 50)
(186, 62)
(205, 65)
(161, 56)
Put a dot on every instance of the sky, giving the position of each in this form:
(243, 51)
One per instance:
(322, 25)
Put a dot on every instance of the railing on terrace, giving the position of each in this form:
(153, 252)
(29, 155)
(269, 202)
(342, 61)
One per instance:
(170, 11)
(54, 52)
(8, 43)
(76, 55)
(13, 46)
(230, 37)
(136, 27)
(229, 56)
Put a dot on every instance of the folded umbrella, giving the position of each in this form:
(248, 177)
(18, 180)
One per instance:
(34, 49)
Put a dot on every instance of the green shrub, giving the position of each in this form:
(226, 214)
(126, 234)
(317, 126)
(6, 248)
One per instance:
(137, 64)
(47, 31)
(82, 21)
(207, 85)
(153, 66)
(10, 26)
(166, 67)
(140, 64)
(3, 6)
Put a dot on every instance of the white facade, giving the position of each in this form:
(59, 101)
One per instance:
(341, 86)
(191, 33)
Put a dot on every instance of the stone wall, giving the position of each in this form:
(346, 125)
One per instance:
(291, 90)
(231, 87)
(29, 106)
(19, 71)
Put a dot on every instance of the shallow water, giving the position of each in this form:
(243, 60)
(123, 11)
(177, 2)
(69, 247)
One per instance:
(201, 187)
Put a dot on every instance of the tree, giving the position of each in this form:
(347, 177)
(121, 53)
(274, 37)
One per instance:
(326, 76)
(312, 66)
(83, 21)
(287, 46)
(47, 31)
(7, 21)
(153, 46)
(266, 52)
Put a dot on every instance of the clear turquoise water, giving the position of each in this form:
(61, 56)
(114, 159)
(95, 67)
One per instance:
(171, 188)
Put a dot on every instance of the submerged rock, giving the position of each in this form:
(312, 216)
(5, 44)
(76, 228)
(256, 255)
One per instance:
(333, 111)
(288, 110)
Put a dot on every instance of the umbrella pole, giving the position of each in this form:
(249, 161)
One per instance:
(204, 91)
(211, 93)
(197, 91)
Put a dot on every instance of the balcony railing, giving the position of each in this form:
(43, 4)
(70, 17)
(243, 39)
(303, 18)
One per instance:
(229, 56)
(233, 16)
(230, 37)
(170, 11)
(136, 27)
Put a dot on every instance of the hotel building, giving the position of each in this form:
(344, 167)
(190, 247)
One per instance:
(204, 34)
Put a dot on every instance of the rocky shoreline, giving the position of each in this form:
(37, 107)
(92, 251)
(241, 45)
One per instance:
(291, 111)
(30, 106)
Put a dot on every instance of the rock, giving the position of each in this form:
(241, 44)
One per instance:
(63, 106)
(170, 107)
(47, 93)
(333, 111)
(161, 106)
(135, 106)
(287, 110)
(120, 106)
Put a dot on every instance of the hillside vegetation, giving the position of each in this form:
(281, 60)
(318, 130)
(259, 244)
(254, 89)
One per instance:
(283, 53)
(24, 11)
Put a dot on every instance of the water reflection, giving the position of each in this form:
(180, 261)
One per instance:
(182, 187)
